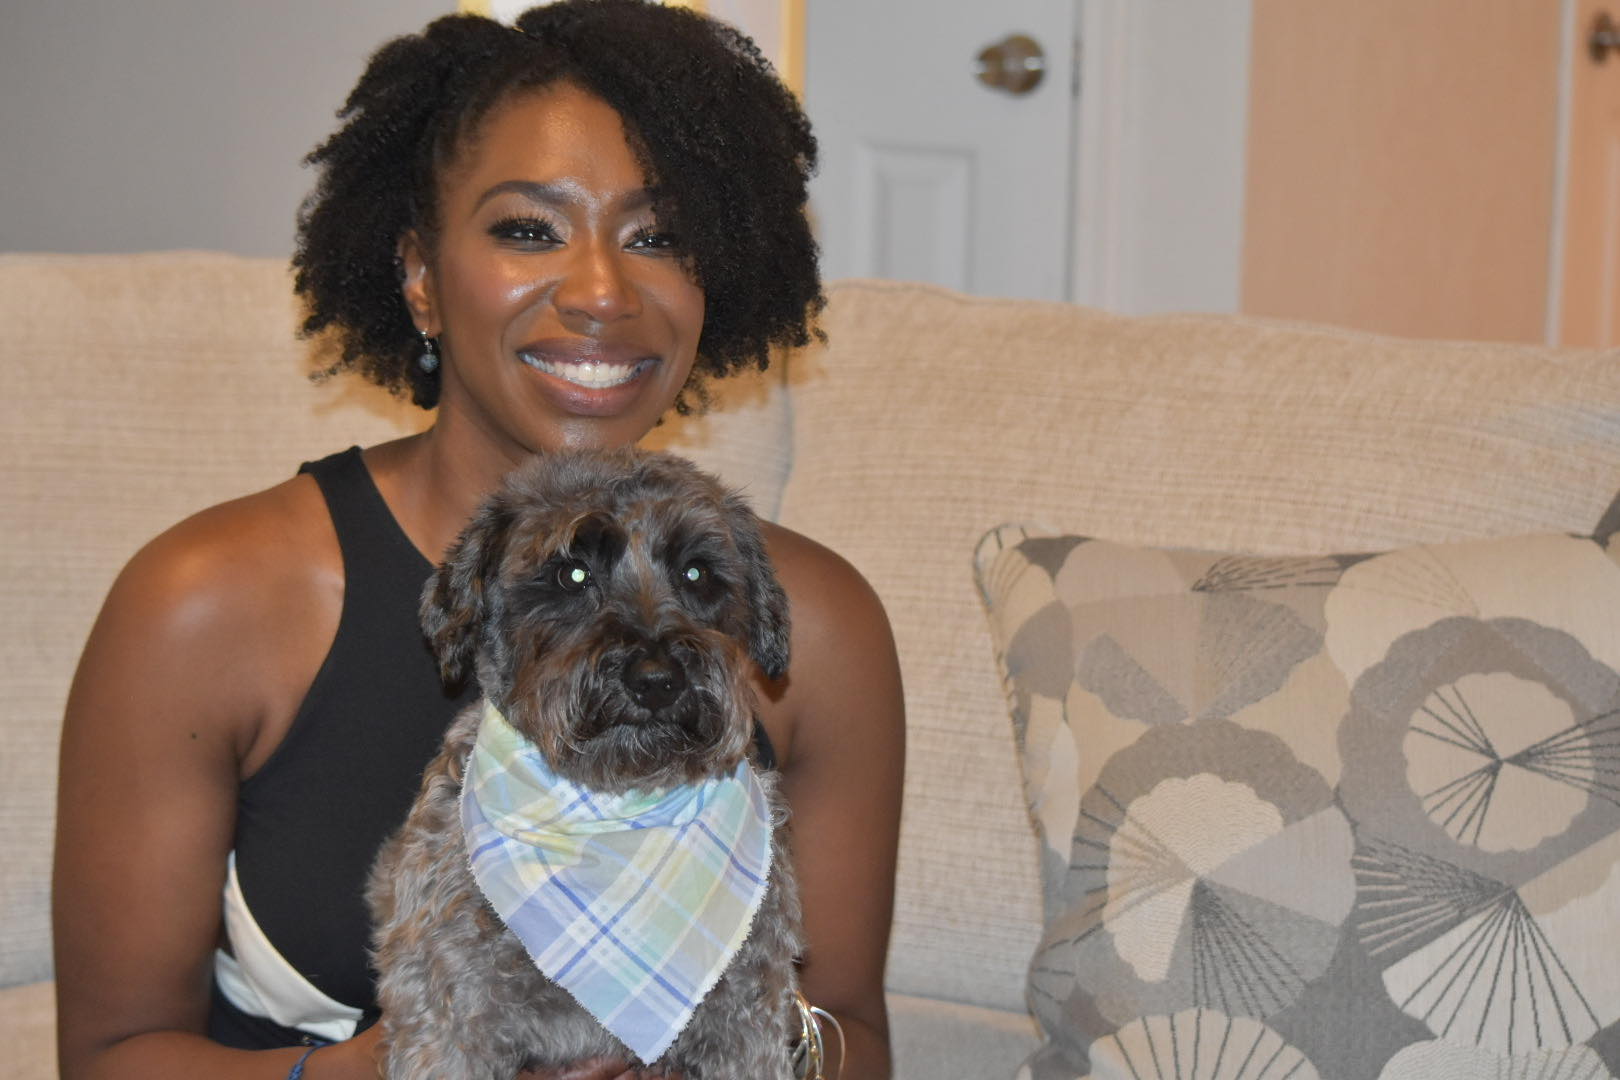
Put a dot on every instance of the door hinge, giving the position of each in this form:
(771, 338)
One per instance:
(1074, 66)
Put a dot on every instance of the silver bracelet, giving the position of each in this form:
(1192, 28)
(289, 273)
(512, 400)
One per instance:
(809, 1051)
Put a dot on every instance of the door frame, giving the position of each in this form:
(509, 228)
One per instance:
(1160, 155)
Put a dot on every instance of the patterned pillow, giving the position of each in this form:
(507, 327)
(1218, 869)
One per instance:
(1352, 816)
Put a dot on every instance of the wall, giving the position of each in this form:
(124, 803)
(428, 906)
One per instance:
(134, 126)
(1402, 163)
(131, 126)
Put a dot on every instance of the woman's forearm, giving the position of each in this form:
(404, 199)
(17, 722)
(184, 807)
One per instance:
(865, 1051)
(165, 1055)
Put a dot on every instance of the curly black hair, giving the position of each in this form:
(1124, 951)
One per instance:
(724, 145)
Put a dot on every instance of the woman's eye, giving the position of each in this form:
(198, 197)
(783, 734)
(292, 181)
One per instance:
(653, 240)
(524, 230)
(573, 576)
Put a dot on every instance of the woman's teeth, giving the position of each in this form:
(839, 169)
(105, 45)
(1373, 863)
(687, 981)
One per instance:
(591, 374)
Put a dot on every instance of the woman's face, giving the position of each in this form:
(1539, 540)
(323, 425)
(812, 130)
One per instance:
(564, 316)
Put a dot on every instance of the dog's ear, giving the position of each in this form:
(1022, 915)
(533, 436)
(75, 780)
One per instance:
(769, 627)
(456, 601)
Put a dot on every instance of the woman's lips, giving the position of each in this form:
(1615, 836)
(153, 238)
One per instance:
(588, 377)
(590, 374)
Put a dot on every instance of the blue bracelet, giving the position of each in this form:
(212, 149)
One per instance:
(298, 1067)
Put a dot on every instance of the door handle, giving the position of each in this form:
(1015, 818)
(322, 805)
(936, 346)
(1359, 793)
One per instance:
(1014, 64)
(1604, 37)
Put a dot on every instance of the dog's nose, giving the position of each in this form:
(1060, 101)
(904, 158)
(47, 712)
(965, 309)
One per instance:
(654, 679)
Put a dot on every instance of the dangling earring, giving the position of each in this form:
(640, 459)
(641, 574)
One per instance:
(429, 360)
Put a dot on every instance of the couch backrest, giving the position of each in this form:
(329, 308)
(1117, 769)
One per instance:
(141, 389)
(932, 417)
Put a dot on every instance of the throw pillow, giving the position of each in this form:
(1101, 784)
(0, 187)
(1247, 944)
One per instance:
(1354, 816)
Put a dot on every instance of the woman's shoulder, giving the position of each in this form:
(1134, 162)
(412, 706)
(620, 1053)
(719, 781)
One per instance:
(217, 624)
(231, 557)
(226, 597)
(843, 667)
(821, 584)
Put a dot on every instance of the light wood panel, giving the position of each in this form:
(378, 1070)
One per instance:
(1401, 165)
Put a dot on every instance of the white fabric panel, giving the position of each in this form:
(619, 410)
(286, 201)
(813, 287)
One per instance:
(257, 979)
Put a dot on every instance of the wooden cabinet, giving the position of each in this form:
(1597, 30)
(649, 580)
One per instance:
(1404, 167)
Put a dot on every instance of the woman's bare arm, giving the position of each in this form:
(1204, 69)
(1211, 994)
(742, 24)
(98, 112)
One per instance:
(193, 670)
(843, 769)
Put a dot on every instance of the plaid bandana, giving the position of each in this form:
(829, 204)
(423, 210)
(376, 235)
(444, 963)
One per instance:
(633, 903)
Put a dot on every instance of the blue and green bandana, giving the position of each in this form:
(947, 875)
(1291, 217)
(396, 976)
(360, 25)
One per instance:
(633, 903)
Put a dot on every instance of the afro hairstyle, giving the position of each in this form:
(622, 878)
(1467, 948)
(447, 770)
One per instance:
(725, 147)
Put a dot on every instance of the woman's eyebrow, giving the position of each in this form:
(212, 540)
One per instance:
(553, 193)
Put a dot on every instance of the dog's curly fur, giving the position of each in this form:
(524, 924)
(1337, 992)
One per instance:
(638, 679)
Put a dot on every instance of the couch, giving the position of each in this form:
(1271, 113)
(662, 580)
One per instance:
(144, 387)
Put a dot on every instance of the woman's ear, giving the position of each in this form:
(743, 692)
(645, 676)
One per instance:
(416, 283)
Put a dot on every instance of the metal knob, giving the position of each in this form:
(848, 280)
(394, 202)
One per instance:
(1604, 38)
(1014, 64)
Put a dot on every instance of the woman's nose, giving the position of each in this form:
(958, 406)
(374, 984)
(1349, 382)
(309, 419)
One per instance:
(595, 285)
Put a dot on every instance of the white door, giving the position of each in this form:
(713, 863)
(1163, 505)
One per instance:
(927, 173)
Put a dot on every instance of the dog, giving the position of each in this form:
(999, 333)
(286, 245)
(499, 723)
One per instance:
(613, 606)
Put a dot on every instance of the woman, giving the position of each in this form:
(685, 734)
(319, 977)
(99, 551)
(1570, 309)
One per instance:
(552, 234)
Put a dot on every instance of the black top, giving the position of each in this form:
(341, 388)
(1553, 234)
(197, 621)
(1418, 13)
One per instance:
(311, 819)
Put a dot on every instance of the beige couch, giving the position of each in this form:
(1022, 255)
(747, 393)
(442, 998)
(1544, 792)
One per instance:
(140, 388)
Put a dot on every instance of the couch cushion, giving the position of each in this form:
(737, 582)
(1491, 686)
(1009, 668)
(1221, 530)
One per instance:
(932, 417)
(28, 1031)
(932, 1039)
(139, 390)
(1362, 812)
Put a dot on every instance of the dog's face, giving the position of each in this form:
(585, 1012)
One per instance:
(613, 604)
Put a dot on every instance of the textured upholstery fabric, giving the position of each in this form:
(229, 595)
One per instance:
(932, 418)
(1357, 810)
(934, 1039)
(28, 1031)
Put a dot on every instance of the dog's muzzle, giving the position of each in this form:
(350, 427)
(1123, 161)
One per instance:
(653, 679)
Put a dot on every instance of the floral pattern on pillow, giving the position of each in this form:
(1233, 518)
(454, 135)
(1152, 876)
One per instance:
(1352, 816)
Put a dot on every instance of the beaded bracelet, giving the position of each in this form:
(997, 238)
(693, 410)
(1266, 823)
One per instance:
(298, 1066)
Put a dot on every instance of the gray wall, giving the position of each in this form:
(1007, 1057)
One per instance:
(135, 125)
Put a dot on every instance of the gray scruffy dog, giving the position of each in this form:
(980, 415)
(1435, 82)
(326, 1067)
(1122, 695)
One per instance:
(613, 604)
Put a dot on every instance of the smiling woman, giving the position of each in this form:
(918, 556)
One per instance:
(551, 234)
(548, 252)
(737, 205)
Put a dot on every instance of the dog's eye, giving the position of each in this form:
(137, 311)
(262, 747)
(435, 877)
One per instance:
(695, 574)
(573, 575)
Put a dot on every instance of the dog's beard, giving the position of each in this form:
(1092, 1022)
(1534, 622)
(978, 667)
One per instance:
(592, 731)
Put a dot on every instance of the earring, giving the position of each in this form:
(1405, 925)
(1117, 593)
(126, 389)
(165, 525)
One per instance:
(429, 360)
